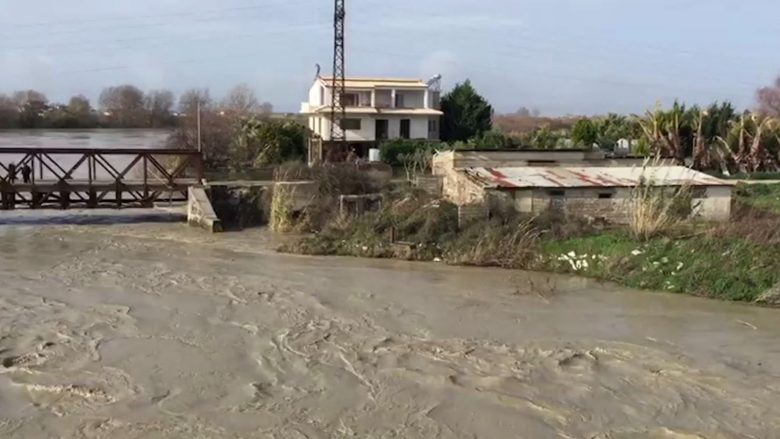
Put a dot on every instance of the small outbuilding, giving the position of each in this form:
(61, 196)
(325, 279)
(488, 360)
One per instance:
(596, 192)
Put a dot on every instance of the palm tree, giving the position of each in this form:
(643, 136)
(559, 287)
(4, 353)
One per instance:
(748, 138)
(664, 131)
(760, 159)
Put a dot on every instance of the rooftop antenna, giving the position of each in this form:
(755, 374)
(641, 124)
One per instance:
(338, 85)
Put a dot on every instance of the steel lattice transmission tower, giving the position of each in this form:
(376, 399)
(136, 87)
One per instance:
(338, 136)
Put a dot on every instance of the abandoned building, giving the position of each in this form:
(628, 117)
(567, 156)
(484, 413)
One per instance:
(577, 184)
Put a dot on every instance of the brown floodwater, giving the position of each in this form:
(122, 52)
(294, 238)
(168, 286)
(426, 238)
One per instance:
(155, 330)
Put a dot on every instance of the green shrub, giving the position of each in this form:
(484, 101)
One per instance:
(394, 151)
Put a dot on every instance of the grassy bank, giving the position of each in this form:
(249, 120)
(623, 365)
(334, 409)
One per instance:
(729, 269)
(760, 196)
(736, 261)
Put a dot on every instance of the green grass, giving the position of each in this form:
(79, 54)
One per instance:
(732, 269)
(760, 196)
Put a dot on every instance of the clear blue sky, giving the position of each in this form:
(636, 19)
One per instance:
(561, 56)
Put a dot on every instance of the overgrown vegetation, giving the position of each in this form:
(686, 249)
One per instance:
(330, 180)
(659, 250)
(760, 196)
(653, 209)
(723, 268)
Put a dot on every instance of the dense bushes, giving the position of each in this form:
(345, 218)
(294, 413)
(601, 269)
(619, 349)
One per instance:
(394, 151)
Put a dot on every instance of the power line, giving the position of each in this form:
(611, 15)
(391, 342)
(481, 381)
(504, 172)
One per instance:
(196, 60)
(89, 32)
(132, 17)
(88, 46)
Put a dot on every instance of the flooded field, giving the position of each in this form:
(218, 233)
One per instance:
(159, 331)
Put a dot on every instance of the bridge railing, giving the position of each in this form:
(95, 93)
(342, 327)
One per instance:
(40, 177)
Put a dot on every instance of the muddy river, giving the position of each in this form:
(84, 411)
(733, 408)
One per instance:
(137, 330)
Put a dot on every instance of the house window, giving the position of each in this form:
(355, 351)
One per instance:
(350, 124)
(322, 95)
(365, 99)
(433, 126)
(406, 128)
(350, 99)
(557, 193)
(399, 100)
(605, 196)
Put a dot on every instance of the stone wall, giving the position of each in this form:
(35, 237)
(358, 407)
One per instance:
(458, 189)
(431, 185)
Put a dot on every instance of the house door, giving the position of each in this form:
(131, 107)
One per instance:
(406, 125)
(382, 129)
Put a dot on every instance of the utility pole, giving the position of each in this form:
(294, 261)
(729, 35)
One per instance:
(338, 137)
(200, 145)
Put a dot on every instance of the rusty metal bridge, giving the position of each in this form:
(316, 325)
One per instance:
(89, 178)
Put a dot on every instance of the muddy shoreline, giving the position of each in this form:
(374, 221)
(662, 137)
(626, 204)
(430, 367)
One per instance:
(156, 330)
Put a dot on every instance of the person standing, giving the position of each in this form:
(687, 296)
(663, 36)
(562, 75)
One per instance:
(26, 171)
(11, 172)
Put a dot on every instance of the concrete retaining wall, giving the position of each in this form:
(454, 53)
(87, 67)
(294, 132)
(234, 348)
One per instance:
(239, 205)
(200, 213)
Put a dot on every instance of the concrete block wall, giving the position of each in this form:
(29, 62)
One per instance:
(716, 206)
(200, 213)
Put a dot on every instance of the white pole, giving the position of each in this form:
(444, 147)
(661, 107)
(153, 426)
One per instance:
(200, 145)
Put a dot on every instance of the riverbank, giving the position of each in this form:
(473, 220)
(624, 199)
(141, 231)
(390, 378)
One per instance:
(736, 261)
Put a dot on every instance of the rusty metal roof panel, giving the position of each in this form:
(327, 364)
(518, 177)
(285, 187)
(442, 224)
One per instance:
(563, 177)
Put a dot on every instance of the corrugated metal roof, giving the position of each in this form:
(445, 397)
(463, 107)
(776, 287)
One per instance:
(368, 83)
(530, 177)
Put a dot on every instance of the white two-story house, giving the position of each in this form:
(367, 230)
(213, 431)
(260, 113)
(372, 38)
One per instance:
(377, 109)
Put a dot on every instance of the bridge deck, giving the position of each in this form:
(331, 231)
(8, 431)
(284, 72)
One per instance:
(96, 177)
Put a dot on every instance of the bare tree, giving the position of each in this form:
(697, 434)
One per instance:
(29, 97)
(159, 107)
(188, 102)
(124, 106)
(32, 105)
(216, 131)
(769, 99)
(266, 108)
(81, 112)
(9, 112)
(79, 105)
(241, 100)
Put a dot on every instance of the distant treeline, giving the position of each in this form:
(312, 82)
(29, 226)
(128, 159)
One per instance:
(124, 106)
